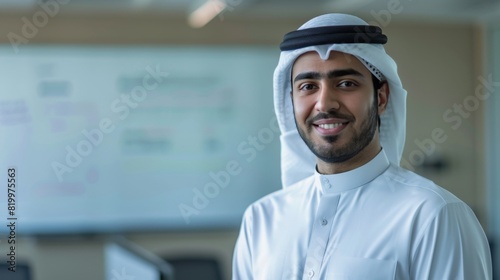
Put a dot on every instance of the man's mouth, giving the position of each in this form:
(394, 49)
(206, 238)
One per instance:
(330, 127)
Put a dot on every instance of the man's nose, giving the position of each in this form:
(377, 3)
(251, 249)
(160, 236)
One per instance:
(327, 99)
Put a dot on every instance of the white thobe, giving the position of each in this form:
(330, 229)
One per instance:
(376, 222)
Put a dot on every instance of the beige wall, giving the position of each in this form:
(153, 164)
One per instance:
(437, 64)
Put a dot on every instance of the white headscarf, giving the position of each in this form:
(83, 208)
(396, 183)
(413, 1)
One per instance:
(297, 161)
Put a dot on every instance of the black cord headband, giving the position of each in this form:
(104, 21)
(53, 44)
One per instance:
(341, 34)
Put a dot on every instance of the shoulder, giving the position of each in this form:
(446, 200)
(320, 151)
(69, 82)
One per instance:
(281, 199)
(417, 197)
(430, 207)
(418, 187)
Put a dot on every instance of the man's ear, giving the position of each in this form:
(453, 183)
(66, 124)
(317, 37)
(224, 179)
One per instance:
(383, 97)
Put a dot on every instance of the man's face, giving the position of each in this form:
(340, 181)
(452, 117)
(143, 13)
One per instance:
(335, 107)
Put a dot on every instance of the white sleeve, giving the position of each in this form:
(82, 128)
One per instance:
(452, 246)
(242, 257)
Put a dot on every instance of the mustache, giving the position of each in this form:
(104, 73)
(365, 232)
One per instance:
(329, 115)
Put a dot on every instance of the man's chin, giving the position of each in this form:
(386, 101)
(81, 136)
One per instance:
(337, 158)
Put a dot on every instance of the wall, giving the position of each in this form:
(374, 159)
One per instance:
(436, 63)
(493, 138)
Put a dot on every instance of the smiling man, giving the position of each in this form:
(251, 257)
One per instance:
(347, 209)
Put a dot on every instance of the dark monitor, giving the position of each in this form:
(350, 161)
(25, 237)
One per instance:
(126, 260)
(22, 272)
(189, 268)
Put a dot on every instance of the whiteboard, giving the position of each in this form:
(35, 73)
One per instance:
(110, 139)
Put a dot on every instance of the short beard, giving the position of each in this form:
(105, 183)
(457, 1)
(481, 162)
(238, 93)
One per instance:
(358, 143)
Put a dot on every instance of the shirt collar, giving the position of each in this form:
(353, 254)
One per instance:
(336, 183)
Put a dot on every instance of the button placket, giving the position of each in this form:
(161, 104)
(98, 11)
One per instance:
(320, 235)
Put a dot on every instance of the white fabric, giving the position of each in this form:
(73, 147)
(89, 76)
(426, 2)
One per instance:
(376, 222)
(297, 161)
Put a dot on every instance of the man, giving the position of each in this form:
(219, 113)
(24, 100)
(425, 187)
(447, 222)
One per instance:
(347, 210)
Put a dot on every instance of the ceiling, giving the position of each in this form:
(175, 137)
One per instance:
(457, 10)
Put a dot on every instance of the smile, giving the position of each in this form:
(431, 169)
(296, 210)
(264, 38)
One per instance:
(329, 125)
(330, 129)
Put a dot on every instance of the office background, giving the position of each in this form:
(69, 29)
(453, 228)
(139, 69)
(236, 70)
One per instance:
(443, 55)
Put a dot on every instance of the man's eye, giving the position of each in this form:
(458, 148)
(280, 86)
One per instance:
(306, 87)
(347, 84)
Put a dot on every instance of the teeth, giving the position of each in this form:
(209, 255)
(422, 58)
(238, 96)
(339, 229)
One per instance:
(330, 125)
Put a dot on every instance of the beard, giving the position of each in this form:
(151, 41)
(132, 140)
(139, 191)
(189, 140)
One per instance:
(359, 141)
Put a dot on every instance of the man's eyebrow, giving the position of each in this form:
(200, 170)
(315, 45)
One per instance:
(308, 75)
(331, 74)
(344, 72)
